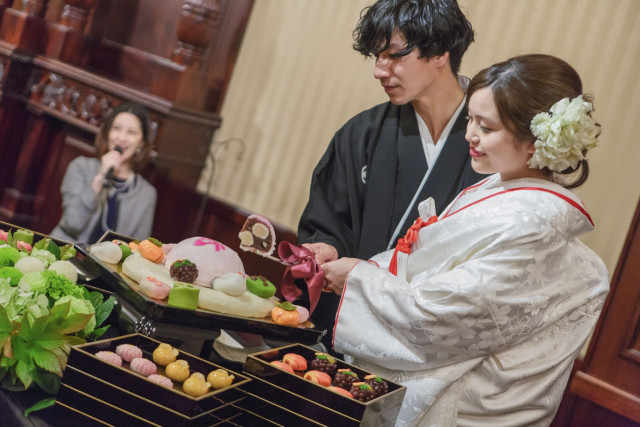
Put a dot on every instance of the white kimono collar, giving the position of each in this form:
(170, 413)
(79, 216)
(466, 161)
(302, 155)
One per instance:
(499, 187)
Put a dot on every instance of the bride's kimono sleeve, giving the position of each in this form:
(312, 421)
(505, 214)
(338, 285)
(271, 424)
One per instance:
(473, 287)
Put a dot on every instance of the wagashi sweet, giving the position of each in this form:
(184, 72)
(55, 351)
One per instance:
(341, 391)
(297, 362)
(143, 366)
(260, 286)
(128, 352)
(178, 370)
(196, 385)
(108, 252)
(378, 385)
(184, 295)
(161, 379)
(324, 362)
(282, 365)
(109, 357)
(154, 288)
(151, 249)
(165, 354)
(362, 391)
(219, 378)
(285, 313)
(184, 270)
(212, 258)
(138, 268)
(344, 378)
(318, 377)
(233, 284)
(257, 235)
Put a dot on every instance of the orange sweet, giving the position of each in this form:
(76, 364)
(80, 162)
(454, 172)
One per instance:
(150, 251)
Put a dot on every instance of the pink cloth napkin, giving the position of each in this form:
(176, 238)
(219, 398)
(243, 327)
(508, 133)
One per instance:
(301, 264)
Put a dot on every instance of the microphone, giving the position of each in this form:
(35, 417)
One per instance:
(108, 179)
(111, 171)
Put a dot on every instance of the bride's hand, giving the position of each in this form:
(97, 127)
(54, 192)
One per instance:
(335, 273)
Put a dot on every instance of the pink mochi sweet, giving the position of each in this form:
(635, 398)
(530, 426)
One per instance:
(212, 258)
(143, 366)
(128, 352)
(161, 379)
(109, 357)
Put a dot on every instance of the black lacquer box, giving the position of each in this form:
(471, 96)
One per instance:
(313, 403)
(158, 312)
(116, 395)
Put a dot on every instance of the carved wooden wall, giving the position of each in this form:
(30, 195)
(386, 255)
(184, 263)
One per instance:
(65, 63)
(605, 387)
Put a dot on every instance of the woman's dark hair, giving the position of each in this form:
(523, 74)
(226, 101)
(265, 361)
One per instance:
(433, 26)
(140, 159)
(526, 85)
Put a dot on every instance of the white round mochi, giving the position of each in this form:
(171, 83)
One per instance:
(231, 283)
(108, 252)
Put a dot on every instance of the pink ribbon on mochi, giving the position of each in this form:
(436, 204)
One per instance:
(301, 264)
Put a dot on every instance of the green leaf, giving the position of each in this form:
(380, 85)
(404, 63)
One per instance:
(60, 311)
(47, 361)
(54, 249)
(74, 323)
(67, 251)
(43, 404)
(39, 244)
(24, 370)
(97, 333)
(47, 381)
(103, 312)
(95, 298)
(7, 329)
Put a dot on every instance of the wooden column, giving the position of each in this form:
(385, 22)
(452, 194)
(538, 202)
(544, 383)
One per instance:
(75, 13)
(196, 28)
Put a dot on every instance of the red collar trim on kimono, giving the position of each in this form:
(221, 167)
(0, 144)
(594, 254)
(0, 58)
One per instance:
(562, 196)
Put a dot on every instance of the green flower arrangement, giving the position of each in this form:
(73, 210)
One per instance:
(41, 318)
(563, 134)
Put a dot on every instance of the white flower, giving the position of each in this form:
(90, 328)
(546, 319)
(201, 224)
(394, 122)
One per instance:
(562, 134)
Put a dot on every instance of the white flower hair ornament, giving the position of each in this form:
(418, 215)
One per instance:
(562, 134)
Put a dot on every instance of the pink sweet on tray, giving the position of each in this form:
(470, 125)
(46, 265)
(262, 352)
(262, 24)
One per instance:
(128, 352)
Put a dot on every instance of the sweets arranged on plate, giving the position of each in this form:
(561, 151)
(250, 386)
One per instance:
(196, 273)
(166, 369)
(323, 370)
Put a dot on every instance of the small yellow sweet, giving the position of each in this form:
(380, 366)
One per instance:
(178, 370)
(165, 354)
(195, 385)
(219, 378)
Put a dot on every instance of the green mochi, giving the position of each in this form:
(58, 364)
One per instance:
(184, 295)
(260, 286)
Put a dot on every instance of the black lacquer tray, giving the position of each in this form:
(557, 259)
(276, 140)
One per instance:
(153, 312)
(312, 401)
(118, 395)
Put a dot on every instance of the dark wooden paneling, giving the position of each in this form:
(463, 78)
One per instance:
(605, 389)
(62, 74)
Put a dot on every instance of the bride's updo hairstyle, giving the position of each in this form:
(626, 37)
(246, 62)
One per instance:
(526, 85)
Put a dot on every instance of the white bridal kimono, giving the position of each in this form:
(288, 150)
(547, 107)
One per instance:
(489, 311)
